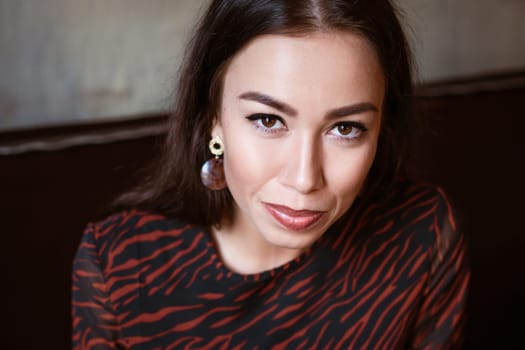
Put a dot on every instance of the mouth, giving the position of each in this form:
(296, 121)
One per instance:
(291, 219)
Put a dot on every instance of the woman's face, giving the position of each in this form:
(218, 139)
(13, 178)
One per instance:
(300, 120)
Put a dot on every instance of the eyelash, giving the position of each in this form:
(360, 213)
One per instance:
(257, 120)
(359, 127)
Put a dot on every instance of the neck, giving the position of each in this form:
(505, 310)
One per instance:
(244, 251)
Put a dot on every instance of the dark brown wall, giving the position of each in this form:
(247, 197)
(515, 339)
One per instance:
(47, 199)
(474, 149)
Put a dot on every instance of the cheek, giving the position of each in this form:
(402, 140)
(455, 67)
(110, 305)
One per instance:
(247, 164)
(347, 174)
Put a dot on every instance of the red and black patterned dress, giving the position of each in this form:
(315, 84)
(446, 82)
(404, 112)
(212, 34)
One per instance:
(390, 274)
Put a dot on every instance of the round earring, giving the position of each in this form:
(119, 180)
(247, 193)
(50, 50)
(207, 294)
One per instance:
(212, 171)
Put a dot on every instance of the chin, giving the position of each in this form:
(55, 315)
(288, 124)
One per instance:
(293, 240)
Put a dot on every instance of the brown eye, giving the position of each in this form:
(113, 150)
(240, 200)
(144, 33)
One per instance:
(348, 130)
(344, 129)
(268, 121)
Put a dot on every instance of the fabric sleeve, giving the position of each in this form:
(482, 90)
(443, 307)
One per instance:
(94, 323)
(441, 318)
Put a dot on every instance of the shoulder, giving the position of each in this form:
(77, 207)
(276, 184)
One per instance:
(406, 197)
(397, 235)
(133, 222)
(125, 220)
(426, 210)
(424, 198)
(408, 209)
(132, 234)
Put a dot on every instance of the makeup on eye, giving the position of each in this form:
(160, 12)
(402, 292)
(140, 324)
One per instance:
(267, 122)
(349, 130)
(343, 130)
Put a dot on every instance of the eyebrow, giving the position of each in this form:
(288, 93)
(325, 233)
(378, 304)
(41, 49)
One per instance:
(344, 111)
(269, 101)
(357, 108)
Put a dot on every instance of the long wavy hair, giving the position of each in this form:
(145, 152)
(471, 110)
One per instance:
(172, 184)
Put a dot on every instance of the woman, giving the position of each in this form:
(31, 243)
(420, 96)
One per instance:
(275, 217)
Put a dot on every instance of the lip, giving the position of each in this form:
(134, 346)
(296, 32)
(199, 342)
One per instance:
(291, 219)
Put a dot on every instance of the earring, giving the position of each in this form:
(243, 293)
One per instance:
(212, 171)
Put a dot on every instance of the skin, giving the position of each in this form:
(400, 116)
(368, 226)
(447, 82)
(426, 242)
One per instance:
(302, 155)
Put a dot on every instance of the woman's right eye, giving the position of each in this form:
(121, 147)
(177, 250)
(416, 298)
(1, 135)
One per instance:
(267, 122)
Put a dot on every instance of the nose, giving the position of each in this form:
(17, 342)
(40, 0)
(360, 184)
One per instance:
(303, 169)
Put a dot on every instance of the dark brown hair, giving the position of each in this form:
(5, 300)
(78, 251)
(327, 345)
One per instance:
(173, 185)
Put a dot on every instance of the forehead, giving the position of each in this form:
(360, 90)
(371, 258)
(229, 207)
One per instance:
(339, 67)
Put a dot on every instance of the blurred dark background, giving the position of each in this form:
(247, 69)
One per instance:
(83, 90)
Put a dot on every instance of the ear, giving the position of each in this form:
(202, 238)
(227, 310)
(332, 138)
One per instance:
(216, 129)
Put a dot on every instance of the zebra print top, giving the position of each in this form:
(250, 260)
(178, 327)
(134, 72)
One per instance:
(391, 274)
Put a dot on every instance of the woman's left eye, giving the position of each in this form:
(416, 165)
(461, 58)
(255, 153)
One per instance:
(348, 130)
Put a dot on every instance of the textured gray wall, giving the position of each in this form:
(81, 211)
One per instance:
(73, 60)
(457, 38)
(78, 60)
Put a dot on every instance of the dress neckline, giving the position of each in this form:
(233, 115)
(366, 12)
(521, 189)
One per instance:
(224, 272)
